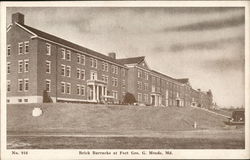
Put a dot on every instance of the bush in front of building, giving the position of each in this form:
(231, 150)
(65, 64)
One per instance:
(129, 98)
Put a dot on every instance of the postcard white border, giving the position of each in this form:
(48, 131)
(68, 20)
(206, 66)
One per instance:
(73, 153)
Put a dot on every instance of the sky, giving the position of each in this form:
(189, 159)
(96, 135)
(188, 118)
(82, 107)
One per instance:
(204, 44)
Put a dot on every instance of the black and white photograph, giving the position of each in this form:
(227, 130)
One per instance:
(134, 81)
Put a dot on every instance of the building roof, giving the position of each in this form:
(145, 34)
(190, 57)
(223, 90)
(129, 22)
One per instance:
(163, 75)
(69, 44)
(183, 80)
(132, 60)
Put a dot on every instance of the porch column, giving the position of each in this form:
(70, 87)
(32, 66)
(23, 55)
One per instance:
(94, 93)
(98, 98)
(102, 92)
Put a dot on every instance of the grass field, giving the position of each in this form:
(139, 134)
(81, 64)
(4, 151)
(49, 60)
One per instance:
(99, 118)
(109, 127)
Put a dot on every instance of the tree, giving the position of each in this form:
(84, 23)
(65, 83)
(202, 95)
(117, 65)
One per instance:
(129, 98)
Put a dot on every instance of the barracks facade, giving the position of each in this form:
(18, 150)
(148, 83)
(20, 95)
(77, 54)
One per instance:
(39, 63)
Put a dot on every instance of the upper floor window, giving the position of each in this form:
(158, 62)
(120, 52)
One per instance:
(20, 48)
(63, 67)
(8, 85)
(105, 78)
(139, 97)
(123, 72)
(20, 66)
(82, 90)
(26, 47)
(114, 69)
(68, 55)
(83, 74)
(48, 85)
(63, 87)
(83, 59)
(26, 65)
(63, 53)
(8, 67)
(8, 50)
(68, 71)
(20, 85)
(78, 73)
(139, 73)
(48, 66)
(68, 88)
(78, 58)
(48, 49)
(123, 83)
(78, 89)
(26, 84)
(93, 62)
(114, 82)
(104, 66)
(93, 75)
(146, 75)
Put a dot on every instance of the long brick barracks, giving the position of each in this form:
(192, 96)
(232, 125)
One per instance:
(42, 66)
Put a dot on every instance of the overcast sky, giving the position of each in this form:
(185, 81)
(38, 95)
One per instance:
(205, 45)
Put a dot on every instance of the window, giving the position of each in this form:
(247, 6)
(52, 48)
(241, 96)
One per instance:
(82, 90)
(78, 58)
(26, 65)
(26, 84)
(115, 94)
(146, 75)
(20, 85)
(63, 53)
(139, 97)
(48, 85)
(8, 100)
(26, 100)
(68, 88)
(20, 66)
(63, 87)
(114, 82)
(19, 100)
(26, 47)
(93, 63)
(78, 73)
(78, 89)
(123, 72)
(48, 49)
(114, 69)
(8, 67)
(68, 71)
(139, 73)
(146, 86)
(104, 66)
(123, 83)
(20, 48)
(8, 50)
(82, 59)
(105, 78)
(93, 75)
(8, 85)
(68, 55)
(63, 70)
(83, 74)
(139, 85)
(48, 67)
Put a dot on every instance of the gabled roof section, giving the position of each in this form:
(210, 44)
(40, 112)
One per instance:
(132, 60)
(56, 39)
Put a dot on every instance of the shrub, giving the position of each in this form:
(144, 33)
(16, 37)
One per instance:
(129, 98)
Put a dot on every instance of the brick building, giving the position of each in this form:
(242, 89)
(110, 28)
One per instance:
(39, 63)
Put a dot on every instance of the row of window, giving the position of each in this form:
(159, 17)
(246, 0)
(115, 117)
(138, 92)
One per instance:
(144, 99)
(141, 75)
(141, 86)
(23, 66)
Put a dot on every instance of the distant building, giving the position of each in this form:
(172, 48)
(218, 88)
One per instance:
(38, 63)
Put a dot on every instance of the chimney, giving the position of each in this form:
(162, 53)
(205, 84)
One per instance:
(112, 55)
(17, 18)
